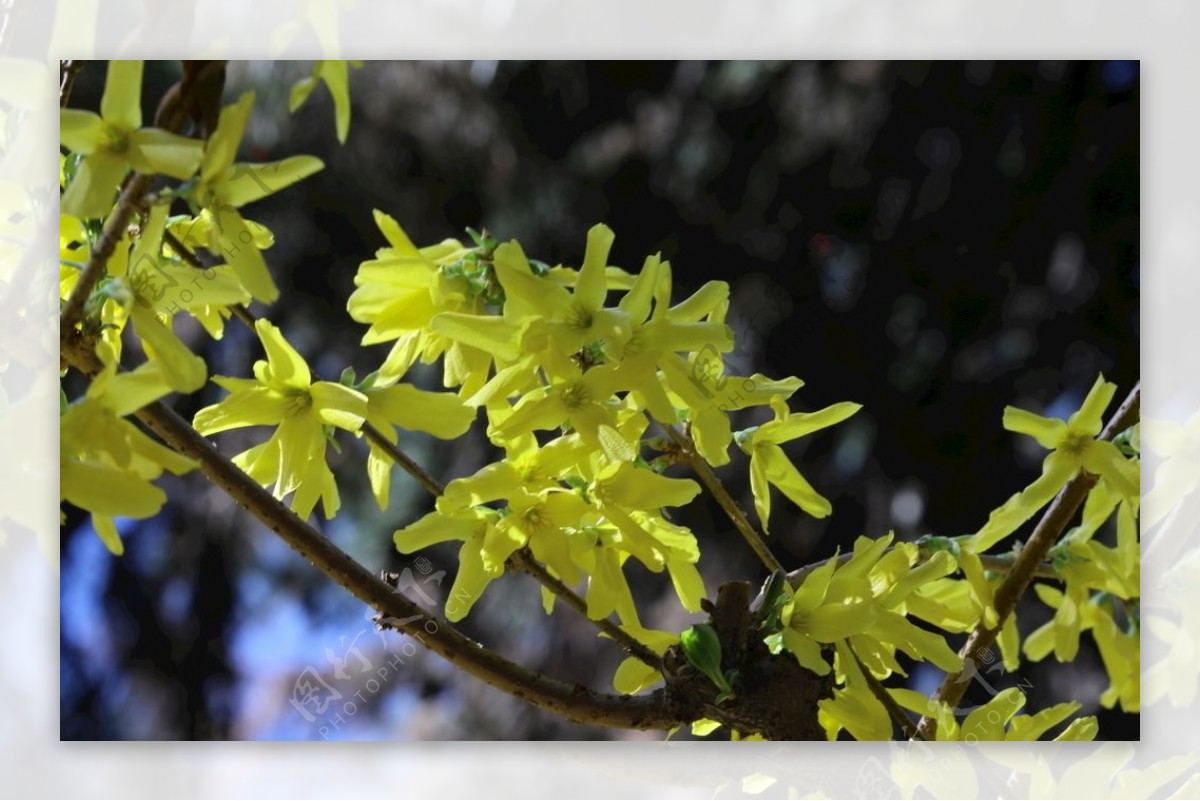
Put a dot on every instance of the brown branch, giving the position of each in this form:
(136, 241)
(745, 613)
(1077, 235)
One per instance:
(574, 702)
(704, 472)
(1049, 528)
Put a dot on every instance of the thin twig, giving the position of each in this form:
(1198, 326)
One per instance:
(422, 477)
(1049, 528)
(68, 71)
(898, 715)
(181, 249)
(572, 701)
(523, 560)
(709, 479)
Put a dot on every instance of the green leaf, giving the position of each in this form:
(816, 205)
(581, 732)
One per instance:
(774, 598)
(702, 648)
(329, 437)
(1129, 440)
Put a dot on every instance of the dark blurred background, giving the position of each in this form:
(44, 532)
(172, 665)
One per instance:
(933, 240)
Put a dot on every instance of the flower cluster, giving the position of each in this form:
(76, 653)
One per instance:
(541, 349)
(147, 281)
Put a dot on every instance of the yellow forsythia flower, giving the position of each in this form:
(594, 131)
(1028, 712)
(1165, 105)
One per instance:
(770, 465)
(114, 141)
(336, 75)
(283, 394)
(225, 186)
(1073, 447)
(862, 601)
(106, 463)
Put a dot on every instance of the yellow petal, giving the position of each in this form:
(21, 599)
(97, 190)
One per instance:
(499, 480)
(108, 491)
(470, 582)
(285, 367)
(525, 294)
(335, 73)
(502, 541)
(1057, 469)
(806, 650)
(812, 590)
(1090, 417)
(441, 414)
(1010, 643)
(434, 528)
(760, 488)
(235, 244)
(537, 411)
(125, 392)
(1104, 459)
(783, 474)
(802, 423)
(633, 675)
(301, 441)
(80, 131)
(394, 234)
(300, 91)
(93, 192)
(590, 288)
(106, 529)
(121, 104)
(639, 488)
(833, 622)
(688, 583)
(256, 406)
(700, 303)
(988, 722)
(636, 302)
(246, 183)
(379, 473)
(183, 370)
(1047, 431)
(981, 589)
(338, 405)
(1081, 729)
(1032, 727)
(221, 148)
(153, 150)
(493, 335)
